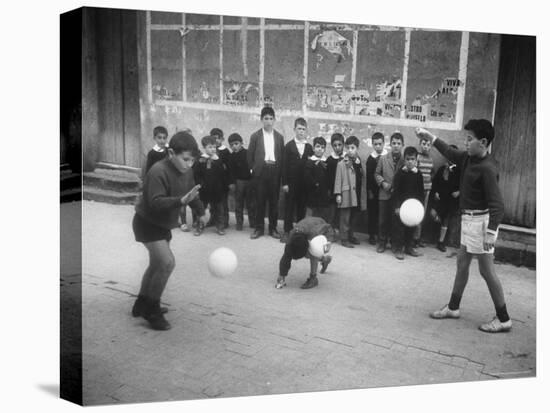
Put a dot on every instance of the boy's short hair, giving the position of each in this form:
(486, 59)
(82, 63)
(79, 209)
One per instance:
(208, 140)
(234, 137)
(267, 110)
(410, 151)
(481, 128)
(336, 137)
(298, 245)
(397, 135)
(216, 132)
(376, 135)
(160, 129)
(352, 140)
(184, 142)
(319, 140)
(300, 121)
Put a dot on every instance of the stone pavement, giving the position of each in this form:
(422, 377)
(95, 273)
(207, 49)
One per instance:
(365, 325)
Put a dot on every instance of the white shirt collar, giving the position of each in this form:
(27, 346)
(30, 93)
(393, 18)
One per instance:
(213, 157)
(315, 158)
(221, 147)
(157, 148)
(336, 156)
(299, 142)
(375, 154)
(414, 170)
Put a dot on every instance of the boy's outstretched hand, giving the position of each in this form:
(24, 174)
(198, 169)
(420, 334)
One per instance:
(189, 196)
(422, 133)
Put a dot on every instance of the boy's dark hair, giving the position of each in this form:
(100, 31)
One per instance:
(376, 135)
(298, 245)
(410, 151)
(216, 132)
(337, 137)
(266, 110)
(184, 142)
(319, 140)
(160, 129)
(397, 135)
(300, 121)
(482, 129)
(208, 140)
(352, 140)
(234, 137)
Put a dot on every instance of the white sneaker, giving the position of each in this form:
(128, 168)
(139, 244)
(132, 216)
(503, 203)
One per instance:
(280, 283)
(445, 312)
(184, 228)
(496, 326)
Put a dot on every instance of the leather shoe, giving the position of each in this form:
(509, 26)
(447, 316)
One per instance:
(275, 234)
(256, 234)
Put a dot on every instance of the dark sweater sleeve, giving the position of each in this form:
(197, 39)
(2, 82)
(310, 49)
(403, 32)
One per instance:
(420, 187)
(197, 206)
(493, 197)
(157, 194)
(454, 155)
(397, 195)
(285, 165)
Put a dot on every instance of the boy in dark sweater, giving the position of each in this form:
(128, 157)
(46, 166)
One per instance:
(407, 183)
(317, 189)
(209, 174)
(240, 172)
(377, 141)
(337, 143)
(168, 185)
(297, 247)
(223, 153)
(482, 209)
(160, 150)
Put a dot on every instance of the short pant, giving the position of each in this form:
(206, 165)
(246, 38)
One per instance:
(472, 233)
(145, 231)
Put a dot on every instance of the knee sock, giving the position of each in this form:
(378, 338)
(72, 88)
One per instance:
(454, 303)
(502, 314)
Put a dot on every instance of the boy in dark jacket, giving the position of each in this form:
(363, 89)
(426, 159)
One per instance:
(318, 193)
(377, 141)
(223, 153)
(337, 143)
(209, 174)
(240, 173)
(407, 183)
(443, 200)
(296, 153)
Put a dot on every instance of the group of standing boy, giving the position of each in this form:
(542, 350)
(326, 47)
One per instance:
(322, 195)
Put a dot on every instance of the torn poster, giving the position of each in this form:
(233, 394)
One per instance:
(334, 43)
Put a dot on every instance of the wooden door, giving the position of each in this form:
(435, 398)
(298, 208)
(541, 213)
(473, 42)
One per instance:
(514, 146)
(118, 95)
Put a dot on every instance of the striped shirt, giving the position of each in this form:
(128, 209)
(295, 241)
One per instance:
(425, 165)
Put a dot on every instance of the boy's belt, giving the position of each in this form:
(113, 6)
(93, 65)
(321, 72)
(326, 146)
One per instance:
(474, 212)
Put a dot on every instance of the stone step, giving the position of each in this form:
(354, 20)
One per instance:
(115, 180)
(91, 193)
(69, 180)
(71, 195)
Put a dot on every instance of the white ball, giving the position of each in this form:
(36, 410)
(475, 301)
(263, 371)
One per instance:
(222, 262)
(317, 246)
(411, 212)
